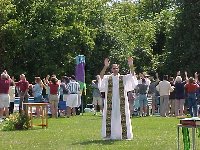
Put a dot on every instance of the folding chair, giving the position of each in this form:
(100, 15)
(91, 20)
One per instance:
(62, 108)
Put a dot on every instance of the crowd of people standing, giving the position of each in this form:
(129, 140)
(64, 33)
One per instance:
(171, 96)
(177, 95)
(50, 89)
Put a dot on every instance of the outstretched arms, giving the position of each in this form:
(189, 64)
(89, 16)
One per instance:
(107, 64)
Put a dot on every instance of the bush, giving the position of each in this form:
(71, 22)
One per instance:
(16, 121)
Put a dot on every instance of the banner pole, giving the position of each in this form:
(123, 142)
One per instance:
(80, 77)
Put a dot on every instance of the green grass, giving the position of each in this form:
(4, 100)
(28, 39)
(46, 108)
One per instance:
(84, 133)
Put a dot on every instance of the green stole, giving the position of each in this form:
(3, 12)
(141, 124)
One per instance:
(186, 138)
(122, 108)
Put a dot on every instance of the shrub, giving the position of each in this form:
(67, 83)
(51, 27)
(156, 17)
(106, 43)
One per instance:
(16, 121)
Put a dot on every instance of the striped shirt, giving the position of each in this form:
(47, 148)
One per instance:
(73, 87)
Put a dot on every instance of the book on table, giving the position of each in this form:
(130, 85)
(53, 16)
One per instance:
(194, 121)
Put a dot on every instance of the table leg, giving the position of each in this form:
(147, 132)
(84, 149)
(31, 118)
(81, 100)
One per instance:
(193, 138)
(27, 115)
(178, 144)
(26, 110)
(46, 115)
(42, 116)
(31, 116)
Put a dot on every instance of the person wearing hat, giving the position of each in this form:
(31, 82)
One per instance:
(4, 94)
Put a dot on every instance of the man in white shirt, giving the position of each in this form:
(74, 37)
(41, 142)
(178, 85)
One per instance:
(164, 88)
(73, 88)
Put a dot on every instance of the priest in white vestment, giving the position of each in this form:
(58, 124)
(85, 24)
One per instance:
(116, 123)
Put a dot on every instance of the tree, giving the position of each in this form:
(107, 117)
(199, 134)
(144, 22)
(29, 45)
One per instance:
(183, 44)
(7, 24)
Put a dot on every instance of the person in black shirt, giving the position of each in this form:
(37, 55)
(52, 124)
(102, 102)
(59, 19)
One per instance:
(172, 98)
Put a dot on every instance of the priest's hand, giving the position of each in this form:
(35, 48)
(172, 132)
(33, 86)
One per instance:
(106, 65)
(130, 61)
(106, 62)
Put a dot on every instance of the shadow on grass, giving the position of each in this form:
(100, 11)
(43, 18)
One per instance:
(99, 142)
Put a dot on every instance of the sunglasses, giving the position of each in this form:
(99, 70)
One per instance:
(115, 68)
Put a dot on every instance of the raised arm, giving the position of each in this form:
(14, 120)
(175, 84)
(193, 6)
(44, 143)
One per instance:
(106, 65)
(178, 73)
(196, 77)
(186, 76)
(157, 78)
(131, 66)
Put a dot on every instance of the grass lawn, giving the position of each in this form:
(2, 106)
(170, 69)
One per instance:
(84, 132)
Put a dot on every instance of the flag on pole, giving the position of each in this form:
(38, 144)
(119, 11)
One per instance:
(80, 72)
